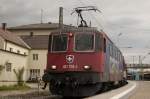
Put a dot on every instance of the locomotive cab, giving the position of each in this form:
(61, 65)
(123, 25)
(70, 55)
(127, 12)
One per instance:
(74, 51)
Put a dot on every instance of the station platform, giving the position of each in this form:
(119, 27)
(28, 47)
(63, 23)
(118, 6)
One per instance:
(120, 93)
(142, 91)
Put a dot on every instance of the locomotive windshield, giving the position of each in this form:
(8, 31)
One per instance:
(59, 42)
(84, 42)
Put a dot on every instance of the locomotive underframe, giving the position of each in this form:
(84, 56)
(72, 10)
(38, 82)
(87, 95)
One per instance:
(73, 83)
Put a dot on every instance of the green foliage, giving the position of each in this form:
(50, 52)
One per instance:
(19, 75)
(14, 87)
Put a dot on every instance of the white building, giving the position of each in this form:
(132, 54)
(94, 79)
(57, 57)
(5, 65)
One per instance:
(37, 54)
(13, 55)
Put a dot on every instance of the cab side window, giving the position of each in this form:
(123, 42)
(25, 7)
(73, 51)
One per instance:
(104, 45)
(98, 42)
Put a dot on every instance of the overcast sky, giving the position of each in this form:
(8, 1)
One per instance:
(131, 18)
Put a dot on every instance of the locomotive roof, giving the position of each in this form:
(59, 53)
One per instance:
(77, 29)
(39, 26)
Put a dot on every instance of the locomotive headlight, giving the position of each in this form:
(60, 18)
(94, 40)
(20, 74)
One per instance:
(70, 34)
(87, 67)
(53, 67)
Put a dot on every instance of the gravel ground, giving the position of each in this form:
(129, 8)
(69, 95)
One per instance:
(32, 95)
(142, 92)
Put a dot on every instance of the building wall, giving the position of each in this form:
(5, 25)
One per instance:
(35, 32)
(17, 61)
(2, 43)
(16, 48)
(39, 63)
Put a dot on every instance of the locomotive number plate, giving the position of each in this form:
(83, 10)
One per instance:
(70, 66)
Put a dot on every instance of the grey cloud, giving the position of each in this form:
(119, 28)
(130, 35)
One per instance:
(130, 17)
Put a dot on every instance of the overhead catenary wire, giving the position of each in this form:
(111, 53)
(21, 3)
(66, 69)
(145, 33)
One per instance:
(103, 17)
(112, 26)
(96, 20)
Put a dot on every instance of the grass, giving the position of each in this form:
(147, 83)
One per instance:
(14, 87)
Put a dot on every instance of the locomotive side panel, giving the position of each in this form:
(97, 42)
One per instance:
(107, 60)
(114, 62)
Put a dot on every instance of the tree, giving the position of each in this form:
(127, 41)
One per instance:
(19, 75)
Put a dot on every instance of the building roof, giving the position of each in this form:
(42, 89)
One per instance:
(8, 36)
(36, 41)
(38, 26)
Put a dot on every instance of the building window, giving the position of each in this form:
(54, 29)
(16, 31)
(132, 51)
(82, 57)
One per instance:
(35, 56)
(31, 33)
(34, 73)
(8, 67)
(25, 53)
(10, 49)
(18, 51)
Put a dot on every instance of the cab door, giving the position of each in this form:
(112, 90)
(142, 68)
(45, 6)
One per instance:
(106, 58)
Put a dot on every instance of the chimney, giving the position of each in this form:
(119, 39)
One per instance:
(61, 18)
(4, 25)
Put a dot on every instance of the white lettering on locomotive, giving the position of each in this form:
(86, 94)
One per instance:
(70, 66)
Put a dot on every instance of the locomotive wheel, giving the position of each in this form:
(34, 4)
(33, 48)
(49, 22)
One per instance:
(105, 87)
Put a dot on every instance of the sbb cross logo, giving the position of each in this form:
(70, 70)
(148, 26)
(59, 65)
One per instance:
(69, 58)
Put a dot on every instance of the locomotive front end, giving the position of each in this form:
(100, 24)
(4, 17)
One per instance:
(74, 63)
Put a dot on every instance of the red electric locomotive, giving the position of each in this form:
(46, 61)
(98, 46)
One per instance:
(82, 61)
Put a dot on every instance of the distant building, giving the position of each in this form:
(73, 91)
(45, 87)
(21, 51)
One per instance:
(138, 71)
